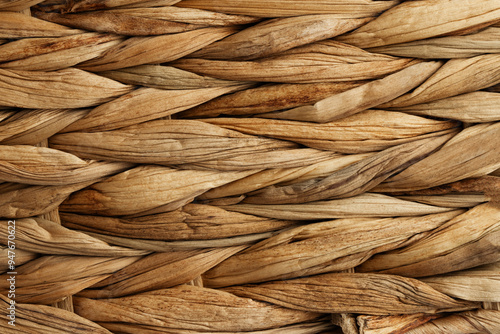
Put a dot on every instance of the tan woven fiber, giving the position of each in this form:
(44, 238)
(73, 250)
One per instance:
(266, 167)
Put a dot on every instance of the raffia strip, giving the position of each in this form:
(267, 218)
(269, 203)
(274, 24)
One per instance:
(275, 36)
(484, 41)
(362, 97)
(321, 247)
(159, 271)
(267, 98)
(117, 194)
(475, 107)
(43, 236)
(142, 105)
(49, 279)
(187, 15)
(332, 293)
(156, 49)
(444, 250)
(283, 176)
(221, 311)
(371, 324)
(116, 23)
(364, 205)
(477, 284)
(326, 61)
(186, 223)
(453, 78)
(479, 156)
(18, 25)
(17, 5)
(166, 77)
(28, 126)
(377, 129)
(393, 26)
(87, 5)
(361, 175)
(33, 319)
(22, 257)
(181, 245)
(68, 88)
(276, 8)
(477, 321)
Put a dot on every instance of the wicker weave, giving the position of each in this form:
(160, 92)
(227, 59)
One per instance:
(204, 166)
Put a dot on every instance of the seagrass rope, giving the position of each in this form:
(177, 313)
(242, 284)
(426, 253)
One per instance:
(252, 166)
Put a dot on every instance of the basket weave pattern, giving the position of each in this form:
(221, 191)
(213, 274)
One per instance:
(267, 167)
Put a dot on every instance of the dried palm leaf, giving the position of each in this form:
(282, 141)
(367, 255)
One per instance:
(450, 201)
(142, 105)
(477, 284)
(49, 279)
(302, 328)
(476, 107)
(165, 77)
(156, 49)
(30, 47)
(187, 15)
(320, 62)
(182, 245)
(485, 41)
(115, 23)
(34, 319)
(333, 293)
(159, 271)
(277, 158)
(17, 25)
(367, 131)
(186, 142)
(320, 248)
(46, 237)
(365, 205)
(29, 127)
(283, 176)
(160, 189)
(68, 88)
(22, 257)
(21, 201)
(457, 76)
(466, 241)
(278, 35)
(266, 98)
(353, 179)
(486, 186)
(477, 321)
(411, 21)
(362, 97)
(62, 59)
(280, 8)
(87, 5)
(17, 5)
(479, 156)
(388, 324)
(189, 308)
(191, 222)
(47, 166)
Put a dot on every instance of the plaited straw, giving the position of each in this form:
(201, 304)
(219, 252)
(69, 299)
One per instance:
(193, 166)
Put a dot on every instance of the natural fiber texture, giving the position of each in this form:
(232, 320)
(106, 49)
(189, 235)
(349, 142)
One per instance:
(237, 167)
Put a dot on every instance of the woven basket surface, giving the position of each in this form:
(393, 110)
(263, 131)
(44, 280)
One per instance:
(277, 166)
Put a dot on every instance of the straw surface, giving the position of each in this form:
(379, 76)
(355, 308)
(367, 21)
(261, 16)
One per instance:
(194, 166)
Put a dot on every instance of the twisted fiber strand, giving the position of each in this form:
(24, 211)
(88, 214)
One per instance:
(92, 91)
